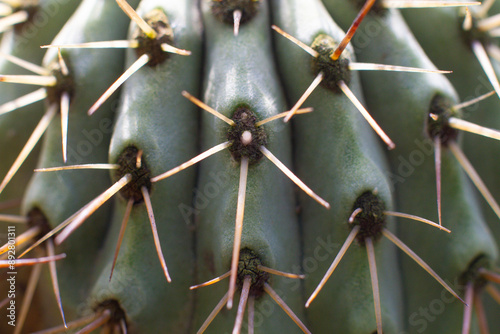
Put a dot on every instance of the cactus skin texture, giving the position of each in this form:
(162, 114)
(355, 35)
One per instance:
(161, 109)
(149, 127)
(271, 233)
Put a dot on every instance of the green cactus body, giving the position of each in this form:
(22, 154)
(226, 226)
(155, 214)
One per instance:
(161, 123)
(60, 194)
(270, 228)
(24, 42)
(334, 151)
(412, 162)
(451, 48)
(336, 132)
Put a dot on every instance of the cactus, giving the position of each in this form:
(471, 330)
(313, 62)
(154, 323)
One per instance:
(202, 129)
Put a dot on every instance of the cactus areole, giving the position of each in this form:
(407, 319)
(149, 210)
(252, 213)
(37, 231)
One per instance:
(246, 138)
